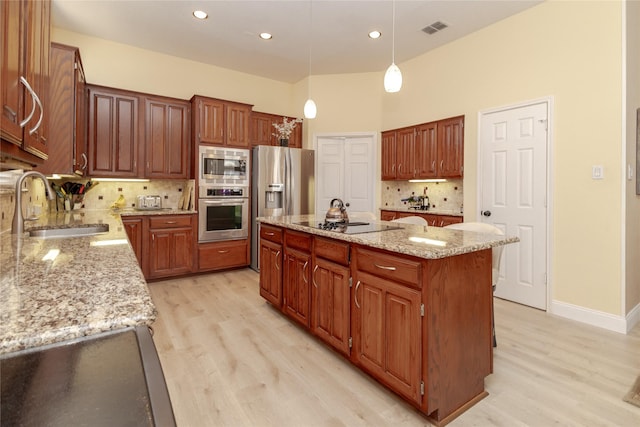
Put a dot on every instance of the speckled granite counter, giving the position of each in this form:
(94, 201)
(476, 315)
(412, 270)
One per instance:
(421, 212)
(58, 289)
(416, 240)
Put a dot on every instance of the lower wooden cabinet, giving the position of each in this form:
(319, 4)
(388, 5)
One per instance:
(164, 244)
(296, 292)
(221, 255)
(271, 264)
(433, 220)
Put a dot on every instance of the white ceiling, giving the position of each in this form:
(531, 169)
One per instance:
(337, 30)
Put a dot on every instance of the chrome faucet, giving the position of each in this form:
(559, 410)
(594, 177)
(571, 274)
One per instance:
(17, 227)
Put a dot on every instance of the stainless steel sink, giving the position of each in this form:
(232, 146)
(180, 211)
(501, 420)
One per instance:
(61, 232)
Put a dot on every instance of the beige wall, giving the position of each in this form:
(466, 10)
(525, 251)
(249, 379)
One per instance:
(632, 200)
(549, 50)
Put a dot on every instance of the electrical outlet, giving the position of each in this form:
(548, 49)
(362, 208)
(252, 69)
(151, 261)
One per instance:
(597, 172)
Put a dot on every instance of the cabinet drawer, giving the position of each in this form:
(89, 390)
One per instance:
(217, 256)
(332, 250)
(390, 267)
(170, 221)
(297, 240)
(271, 233)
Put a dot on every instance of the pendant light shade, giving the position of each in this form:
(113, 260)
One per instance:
(392, 79)
(393, 76)
(310, 109)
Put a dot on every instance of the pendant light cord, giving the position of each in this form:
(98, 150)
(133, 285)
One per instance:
(393, 32)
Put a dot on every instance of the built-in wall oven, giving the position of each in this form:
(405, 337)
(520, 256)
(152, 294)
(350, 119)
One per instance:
(223, 213)
(223, 194)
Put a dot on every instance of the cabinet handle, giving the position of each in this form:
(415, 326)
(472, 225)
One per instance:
(384, 267)
(86, 162)
(268, 233)
(313, 276)
(33, 97)
(223, 252)
(277, 255)
(170, 222)
(355, 294)
(399, 167)
(304, 276)
(13, 114)
(441, 164)
(37, 126)
(393, 168)
(433, 165)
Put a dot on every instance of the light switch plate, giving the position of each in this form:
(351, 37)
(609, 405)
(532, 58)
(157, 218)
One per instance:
(597, 172)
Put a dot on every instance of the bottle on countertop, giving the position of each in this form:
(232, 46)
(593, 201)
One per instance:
(425, 200)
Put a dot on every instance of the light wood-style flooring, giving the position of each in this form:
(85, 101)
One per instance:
(230, 359)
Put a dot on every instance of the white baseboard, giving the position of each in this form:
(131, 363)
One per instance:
(633, 317)
(593, 317)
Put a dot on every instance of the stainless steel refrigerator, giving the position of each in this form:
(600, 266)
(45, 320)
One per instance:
(282, 184)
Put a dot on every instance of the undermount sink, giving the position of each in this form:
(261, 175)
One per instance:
(61, 232)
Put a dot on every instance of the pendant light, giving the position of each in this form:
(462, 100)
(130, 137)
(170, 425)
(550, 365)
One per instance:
(310, 109)
(393, 76)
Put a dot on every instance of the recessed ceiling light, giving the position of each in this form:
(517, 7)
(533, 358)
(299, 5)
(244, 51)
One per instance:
(375, 34)
(266, 36)
(200, 14)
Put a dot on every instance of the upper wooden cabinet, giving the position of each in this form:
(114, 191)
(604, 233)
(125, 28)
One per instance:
(261, 130)
(167, 137)
(219, 122)
(428, 150)
(67, 118)
(24, 76)
(114, 133)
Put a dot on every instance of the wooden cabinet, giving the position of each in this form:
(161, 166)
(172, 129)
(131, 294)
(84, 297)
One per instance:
(386, 326)
(167, 138)
(24, 77)
(451, 147)
(219, 122)
(170, 245)
(114, 133)
(388, 154)
(331, 294)
(261, 130)
(221, 255)
(271, 264)
(434, 220)
(405, 153)
(134, 229)
(67, 118)
(296, 291)
(428, 150)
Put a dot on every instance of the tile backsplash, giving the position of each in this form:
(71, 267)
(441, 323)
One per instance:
(442, 195)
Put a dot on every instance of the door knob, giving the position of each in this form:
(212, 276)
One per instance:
(347, 204)
(486, 213)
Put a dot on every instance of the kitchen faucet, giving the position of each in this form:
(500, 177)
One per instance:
(17, 226)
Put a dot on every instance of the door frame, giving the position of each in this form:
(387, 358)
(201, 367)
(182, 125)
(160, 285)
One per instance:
(549, 101)
(375, 177)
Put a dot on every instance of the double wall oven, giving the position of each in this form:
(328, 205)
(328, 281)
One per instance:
(223, 194)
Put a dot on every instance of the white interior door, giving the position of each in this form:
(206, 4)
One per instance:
(513, 194)
(345, 168)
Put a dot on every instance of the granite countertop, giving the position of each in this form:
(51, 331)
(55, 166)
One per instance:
(416, 240)
(58, 289)
(431, 211)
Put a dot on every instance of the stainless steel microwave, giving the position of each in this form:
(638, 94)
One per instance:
(220, 165)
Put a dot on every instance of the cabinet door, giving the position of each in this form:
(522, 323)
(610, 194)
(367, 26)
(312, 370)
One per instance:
(387, 215)
(449, 219)
(330, 306)
(12, 55)
(260, 129)
(451, 147)
(426, 151)
(209, 121)
(270, 273)
(405, 148)
(387, 333)
(81, 157)
(167, 138)
(296, 294)
(237, 118)
(182, 253)
(37, 74)
(133, 228)
(388, 153)
(113, 134)
(295, 140)
(171, 252)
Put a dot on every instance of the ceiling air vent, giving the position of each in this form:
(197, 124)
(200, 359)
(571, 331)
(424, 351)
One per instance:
(435, 27)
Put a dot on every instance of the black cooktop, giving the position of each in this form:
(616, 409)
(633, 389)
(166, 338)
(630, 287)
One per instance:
(349, 227)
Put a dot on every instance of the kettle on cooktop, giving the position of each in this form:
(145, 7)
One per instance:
(337, 212)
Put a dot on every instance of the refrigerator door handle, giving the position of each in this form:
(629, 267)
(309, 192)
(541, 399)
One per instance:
(287, 186)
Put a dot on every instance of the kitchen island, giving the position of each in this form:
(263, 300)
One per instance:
(409, 305)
